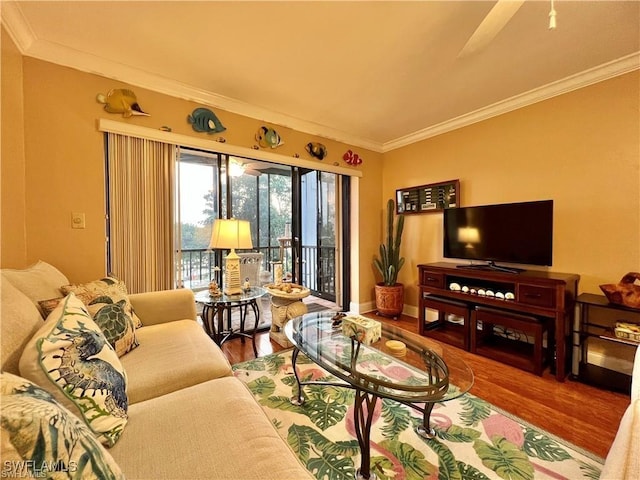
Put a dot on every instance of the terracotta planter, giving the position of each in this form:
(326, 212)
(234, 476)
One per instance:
(389, 299)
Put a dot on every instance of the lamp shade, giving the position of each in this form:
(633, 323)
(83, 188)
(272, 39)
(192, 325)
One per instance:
(231, 234)
(469, 235)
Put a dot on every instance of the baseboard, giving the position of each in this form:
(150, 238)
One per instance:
(410, 311)
(359, 308)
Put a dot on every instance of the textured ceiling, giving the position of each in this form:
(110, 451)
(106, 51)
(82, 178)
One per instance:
(372, 73)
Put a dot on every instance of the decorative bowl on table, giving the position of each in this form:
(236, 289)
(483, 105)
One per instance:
(287, 290)
(626, 292)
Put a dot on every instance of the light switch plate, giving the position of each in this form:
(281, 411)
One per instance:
(77, 220)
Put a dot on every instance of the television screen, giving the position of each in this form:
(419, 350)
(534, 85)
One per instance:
(510, 232)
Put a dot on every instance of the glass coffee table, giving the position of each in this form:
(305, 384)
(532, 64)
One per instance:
(410, 369)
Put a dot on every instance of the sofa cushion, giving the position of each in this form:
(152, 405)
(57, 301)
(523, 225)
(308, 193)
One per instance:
(70, 357)
(112, 315)
(212, 430)
(38, 430)
(38, 282)
(20, 321)
(108, 287)
(172, 356)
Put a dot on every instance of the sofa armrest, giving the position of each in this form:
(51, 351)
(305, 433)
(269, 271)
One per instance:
(623, 461)
(635, 378)
(164, 306)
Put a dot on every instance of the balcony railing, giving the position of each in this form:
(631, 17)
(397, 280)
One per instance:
(198, 268)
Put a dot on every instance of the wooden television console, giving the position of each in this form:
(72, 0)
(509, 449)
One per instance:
(541, 294)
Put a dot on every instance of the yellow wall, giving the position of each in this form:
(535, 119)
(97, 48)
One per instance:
(581, 149)
(64, 170)
(13, 247)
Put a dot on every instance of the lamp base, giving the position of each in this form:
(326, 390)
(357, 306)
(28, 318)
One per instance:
(232, 284)
(233, 291)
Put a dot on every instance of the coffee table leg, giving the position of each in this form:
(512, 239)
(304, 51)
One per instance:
(364, 406)
(256, 314)
(220, 318)
(207, 318)
(425, 430)
(299, 398)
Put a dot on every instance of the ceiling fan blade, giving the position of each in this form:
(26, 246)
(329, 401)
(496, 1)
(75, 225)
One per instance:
(252, 172)
(256, 166)
(492, 24)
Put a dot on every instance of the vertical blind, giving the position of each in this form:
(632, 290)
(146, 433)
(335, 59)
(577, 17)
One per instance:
(142, 215)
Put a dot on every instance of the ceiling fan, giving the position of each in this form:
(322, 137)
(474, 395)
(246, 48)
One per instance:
(491, 26)
(239, 167)
(251, 169)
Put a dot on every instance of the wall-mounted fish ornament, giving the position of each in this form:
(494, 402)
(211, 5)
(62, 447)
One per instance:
(316, 150)
(121, 100)
(352, 158)
(268, 138)
(204, 120)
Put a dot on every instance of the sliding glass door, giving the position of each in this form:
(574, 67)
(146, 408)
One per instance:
(317, 230)
(221, 186)
(294, 214)
(200, 203)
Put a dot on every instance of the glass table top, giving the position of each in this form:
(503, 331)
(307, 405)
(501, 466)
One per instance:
(425, 371)
(252, 293)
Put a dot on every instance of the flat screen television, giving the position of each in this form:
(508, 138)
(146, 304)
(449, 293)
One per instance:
(520, 233)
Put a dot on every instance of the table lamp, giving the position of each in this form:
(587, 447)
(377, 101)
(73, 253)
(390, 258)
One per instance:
(469, 236)
(231, 234)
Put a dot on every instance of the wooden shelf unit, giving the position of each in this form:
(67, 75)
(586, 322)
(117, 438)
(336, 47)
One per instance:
(543, 294)
(595, 320)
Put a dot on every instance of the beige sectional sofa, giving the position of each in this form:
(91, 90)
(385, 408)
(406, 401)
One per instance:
(188, 416)
(623, 460)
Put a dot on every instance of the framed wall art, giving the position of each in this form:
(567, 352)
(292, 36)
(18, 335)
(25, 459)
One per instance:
(433, 197)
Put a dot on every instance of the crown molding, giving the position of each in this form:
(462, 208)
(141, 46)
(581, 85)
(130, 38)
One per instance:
(29, 45)
(597, 74)
(17, 26)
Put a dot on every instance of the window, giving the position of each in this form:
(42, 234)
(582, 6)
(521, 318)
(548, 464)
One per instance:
(257, 191)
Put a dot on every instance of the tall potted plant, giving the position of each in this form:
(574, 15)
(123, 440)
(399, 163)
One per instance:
(390, 293)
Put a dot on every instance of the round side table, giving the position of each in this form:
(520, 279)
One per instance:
(217, 309)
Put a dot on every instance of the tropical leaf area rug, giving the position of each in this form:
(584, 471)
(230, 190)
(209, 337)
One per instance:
(474, 440)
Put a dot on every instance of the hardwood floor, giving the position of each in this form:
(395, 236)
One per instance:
(581, 414)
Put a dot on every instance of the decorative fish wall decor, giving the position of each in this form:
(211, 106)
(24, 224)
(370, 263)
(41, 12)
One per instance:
(268, 138)
(204, 120)
(352, 158)
(121, 100)
(316, 150)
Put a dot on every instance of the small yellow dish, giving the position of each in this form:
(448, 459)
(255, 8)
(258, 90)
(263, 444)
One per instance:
(395, 345)
(396, 348)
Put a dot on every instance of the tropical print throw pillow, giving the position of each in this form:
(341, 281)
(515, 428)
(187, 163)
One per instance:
(111, 316)
(71, 352)
(108, 287)
(42, 439)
